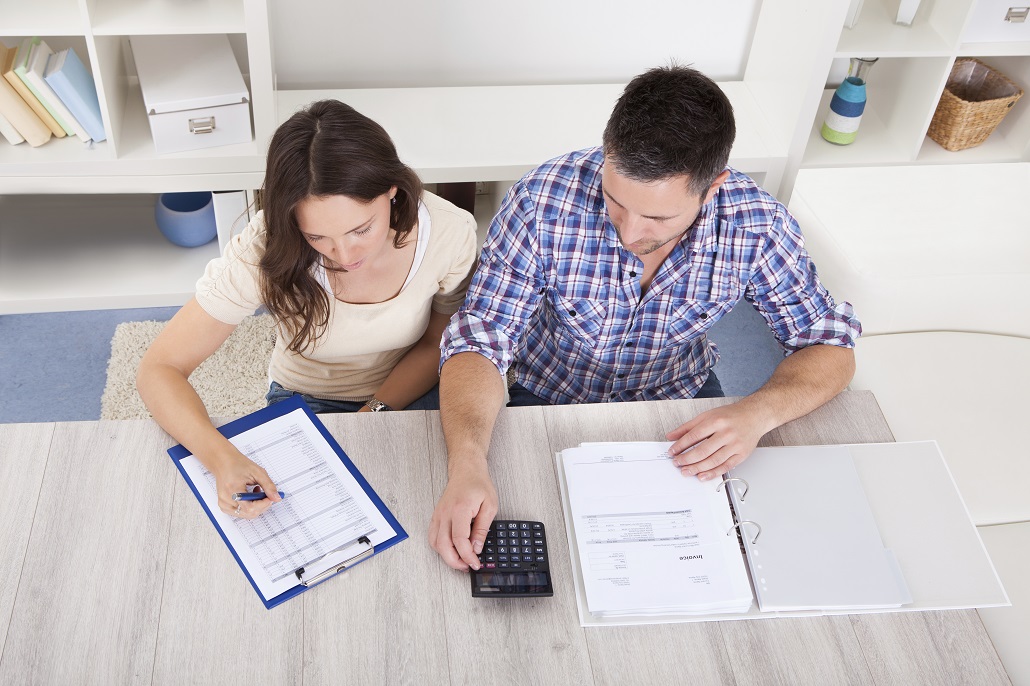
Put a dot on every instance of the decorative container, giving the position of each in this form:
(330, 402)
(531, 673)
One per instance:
(975, 100)
(186, 219)
(848, 104)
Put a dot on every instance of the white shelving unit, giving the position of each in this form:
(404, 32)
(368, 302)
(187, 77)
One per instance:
(102, 251)
(491, 134)
(906, 84)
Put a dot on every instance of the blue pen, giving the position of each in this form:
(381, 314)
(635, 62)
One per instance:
(257, 495)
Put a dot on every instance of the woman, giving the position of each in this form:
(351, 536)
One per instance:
(360, 269)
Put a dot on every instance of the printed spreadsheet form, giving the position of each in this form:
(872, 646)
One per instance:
(325, 509)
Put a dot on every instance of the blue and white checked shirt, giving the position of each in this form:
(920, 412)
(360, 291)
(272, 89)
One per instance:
(558, 295)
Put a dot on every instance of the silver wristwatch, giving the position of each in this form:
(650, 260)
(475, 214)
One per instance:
(377, 405)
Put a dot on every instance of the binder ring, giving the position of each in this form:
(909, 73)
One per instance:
(734, 478)
(743, 522)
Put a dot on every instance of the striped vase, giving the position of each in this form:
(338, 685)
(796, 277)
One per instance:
(847, 105)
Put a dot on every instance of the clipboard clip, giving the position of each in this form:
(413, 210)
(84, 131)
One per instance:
(366, 550)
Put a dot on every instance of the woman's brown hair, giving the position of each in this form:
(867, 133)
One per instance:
(324, 150)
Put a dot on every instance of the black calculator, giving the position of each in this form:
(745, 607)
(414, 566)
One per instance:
(514, 562)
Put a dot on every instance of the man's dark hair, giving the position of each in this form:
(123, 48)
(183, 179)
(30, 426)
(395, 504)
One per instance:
(670, 121)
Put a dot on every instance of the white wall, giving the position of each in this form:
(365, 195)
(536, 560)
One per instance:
(352, 44)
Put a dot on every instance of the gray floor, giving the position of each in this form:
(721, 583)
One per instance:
(53, 366)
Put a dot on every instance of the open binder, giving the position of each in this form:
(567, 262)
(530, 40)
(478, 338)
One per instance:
(330, 520)
(823, 530)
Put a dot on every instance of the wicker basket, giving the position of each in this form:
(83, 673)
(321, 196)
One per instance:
(975, 100)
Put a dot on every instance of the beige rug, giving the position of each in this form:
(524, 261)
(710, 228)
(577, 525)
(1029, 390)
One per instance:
(232, 382)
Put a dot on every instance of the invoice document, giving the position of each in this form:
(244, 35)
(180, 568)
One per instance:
(650, 540)
(323, 515)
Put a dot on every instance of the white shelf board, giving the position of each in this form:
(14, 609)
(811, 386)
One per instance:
(34, 18)
(994, 49)
(995, 149)
(873, 145)
(91, 252)
(133, 17)
(496, 133)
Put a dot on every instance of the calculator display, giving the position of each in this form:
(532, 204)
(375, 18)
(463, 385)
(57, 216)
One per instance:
(514, 562)
(508, 583)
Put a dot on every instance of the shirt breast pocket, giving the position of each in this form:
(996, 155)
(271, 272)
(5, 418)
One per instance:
(580, 318)
(690, 318)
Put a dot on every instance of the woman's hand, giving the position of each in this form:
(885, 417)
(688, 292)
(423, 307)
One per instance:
(235, 475)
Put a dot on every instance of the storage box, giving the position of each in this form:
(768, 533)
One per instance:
(193, 91)
(993, 21)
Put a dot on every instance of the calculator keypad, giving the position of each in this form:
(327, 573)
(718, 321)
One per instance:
(515, 545)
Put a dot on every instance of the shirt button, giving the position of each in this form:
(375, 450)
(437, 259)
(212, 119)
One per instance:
(620, 375)
(629, 344)
(572, 313)
(632, 273)
(704, 315)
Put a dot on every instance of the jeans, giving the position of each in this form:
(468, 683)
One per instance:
(519, 396)
(429, 401)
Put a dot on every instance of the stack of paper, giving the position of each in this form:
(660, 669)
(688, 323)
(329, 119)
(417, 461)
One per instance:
(649, 541)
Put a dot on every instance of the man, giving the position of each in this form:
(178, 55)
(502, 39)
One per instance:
(600, 275)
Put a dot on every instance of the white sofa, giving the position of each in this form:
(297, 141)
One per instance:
(936, 261)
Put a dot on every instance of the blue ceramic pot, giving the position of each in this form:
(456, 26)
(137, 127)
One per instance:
(186, 219)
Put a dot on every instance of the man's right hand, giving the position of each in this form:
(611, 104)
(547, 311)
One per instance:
(463, 516)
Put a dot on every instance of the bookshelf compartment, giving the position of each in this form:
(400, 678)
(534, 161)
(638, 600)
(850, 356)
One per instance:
(62, 253)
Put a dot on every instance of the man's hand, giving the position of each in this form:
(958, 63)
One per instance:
(714, 442)
(469, 497)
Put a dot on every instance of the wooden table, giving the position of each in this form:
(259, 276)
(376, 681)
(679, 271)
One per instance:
(110, 573)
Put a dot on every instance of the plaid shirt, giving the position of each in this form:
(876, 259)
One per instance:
(558, 295)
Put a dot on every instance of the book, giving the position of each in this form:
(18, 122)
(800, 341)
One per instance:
(8, 131)
(329, 519)
(231, 215)
(21, 68)
(21, 117)
(73, 83)
(7, 57)
(822, 530)
(35, 65)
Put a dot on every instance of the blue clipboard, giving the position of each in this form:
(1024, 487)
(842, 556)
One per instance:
(262, 416)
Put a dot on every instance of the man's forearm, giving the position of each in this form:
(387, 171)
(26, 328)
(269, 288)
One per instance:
(802, 382)
(471, 395)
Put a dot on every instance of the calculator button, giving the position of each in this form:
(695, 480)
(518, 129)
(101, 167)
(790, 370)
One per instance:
(513, 525)
(526, 541)
(527, 551)
(538, 534)
(516, 558)
(538, 525)
(490, 565)
(538, 551)
(540, 558)
(502, 558)
(502, 534)
(488, 549)
(502, 550)
(489, 558)
(524, 525)
(515, 565)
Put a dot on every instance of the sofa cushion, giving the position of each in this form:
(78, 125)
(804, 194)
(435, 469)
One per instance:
(919, 248)
(969, 393)
(1009, 627)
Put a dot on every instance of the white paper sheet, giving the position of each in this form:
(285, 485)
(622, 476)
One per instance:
(325, 509)
(651, 541)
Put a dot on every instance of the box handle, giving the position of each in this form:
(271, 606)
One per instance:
(202, 125)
